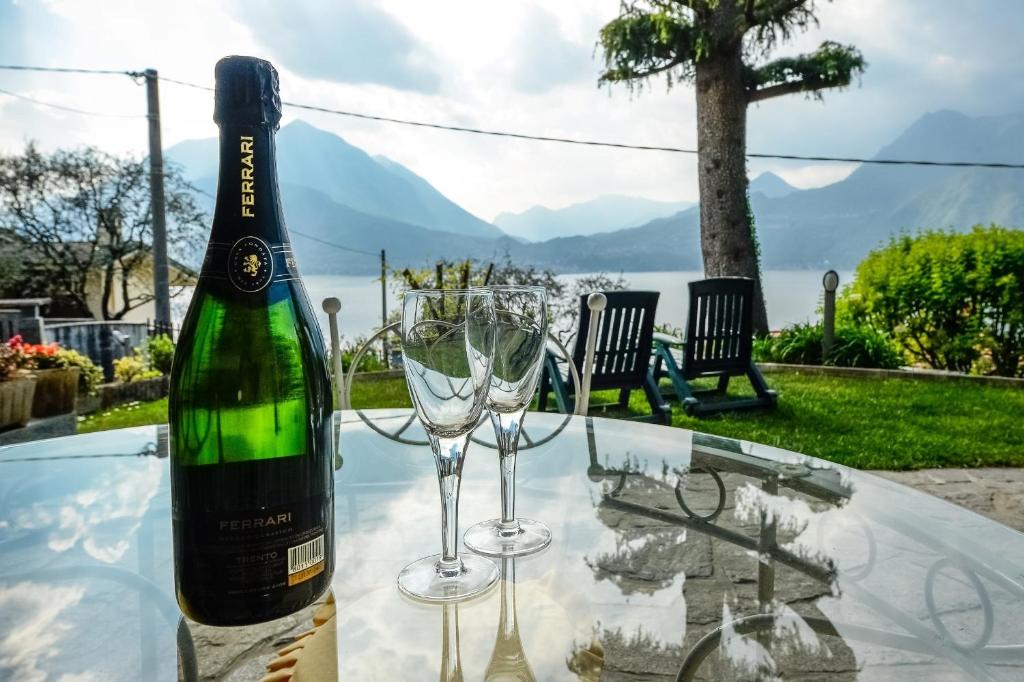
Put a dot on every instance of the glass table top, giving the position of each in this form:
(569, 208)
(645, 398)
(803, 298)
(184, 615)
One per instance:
(676, 555)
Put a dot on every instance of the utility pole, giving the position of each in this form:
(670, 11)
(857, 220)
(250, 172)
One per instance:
(384, 304)
(161, 278)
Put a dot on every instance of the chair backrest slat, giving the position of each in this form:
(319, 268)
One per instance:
(719, 327)
(625, 333)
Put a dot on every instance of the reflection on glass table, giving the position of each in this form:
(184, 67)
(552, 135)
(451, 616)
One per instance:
(676, 555)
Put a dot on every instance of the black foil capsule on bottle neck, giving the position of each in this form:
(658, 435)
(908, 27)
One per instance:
(247, 92)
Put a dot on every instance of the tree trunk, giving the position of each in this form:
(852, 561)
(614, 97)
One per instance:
(726, 238)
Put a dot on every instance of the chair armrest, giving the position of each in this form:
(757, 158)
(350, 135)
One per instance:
(667, 339)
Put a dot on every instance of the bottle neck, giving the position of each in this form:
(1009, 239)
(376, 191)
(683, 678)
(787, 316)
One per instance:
(248, 250)
(248, 198)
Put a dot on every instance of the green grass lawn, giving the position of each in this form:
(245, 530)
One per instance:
(861, 422)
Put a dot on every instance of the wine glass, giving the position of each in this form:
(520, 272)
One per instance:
(521, 329)
(448, 351)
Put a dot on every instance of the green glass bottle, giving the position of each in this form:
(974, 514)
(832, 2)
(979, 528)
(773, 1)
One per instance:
(250, 404)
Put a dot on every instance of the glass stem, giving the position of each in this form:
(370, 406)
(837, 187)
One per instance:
(506, 432)
(449, 454)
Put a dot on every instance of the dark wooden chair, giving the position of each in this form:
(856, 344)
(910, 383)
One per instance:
(622, 354)
(718, 343)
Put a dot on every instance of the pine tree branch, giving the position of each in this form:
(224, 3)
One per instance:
(790, 88)
(830, 66)
(640, 44)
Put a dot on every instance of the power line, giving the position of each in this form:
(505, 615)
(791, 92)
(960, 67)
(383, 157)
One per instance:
(337, 246)
(55, 69)
(202, 191)
(66, 108)
(618, 145)
(186, 84)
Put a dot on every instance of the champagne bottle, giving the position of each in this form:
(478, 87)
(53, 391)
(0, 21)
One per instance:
(250, 403)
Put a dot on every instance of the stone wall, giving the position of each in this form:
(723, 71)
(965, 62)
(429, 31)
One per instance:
(116, 393)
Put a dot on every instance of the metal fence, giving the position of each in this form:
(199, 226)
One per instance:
(157, 328)
(103, 342)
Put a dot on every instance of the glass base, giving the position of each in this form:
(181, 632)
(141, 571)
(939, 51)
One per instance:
(426, 579)
(491, 538)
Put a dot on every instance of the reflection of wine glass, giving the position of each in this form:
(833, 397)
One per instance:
(448, 351)
(508, 660)
(451, 660)
(521, 327)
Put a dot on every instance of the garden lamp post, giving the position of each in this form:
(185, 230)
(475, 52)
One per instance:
(831, 282)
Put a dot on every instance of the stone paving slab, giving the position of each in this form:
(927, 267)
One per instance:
(997, 493)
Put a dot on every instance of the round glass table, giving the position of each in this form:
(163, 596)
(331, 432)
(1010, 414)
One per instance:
(676, 555)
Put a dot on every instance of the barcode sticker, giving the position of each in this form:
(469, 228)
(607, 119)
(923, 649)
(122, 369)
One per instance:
(305, 560)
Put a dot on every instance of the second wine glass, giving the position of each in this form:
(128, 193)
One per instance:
(521, 329)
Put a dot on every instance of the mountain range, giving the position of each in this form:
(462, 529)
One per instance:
(333, 191)
(770, 185)
(606, 213)
(318, 160)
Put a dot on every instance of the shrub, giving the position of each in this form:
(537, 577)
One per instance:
(371, 360)
(863, 347)
(949, 300)
(851, 347)
(134, 368)
(89, 374)
(160, 351)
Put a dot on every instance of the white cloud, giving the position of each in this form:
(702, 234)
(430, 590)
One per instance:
(816, 175)
(31, 618)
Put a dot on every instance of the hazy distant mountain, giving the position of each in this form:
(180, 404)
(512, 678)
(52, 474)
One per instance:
(603, 214)
(838, 224)
(314, 218)
(322, 161)
(771, 185)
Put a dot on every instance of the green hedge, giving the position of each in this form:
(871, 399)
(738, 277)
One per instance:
(951, 301)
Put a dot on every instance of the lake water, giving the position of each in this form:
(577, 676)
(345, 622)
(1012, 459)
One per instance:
(791, 296)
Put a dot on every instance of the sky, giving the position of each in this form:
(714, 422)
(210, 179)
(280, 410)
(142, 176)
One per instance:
(525, 66)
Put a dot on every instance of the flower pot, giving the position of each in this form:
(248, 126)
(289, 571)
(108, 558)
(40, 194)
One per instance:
(16, 401)
(56, 391)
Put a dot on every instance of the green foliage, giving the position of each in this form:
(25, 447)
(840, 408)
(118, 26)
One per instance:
(134, 368)
(830, 66)
(952, 301)
(852, 347)
(80, 223)
(89, 374)
(643, 42)
(370, 362)
(152, 360)
(652, 37)
(563, 298)
(160, 351)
